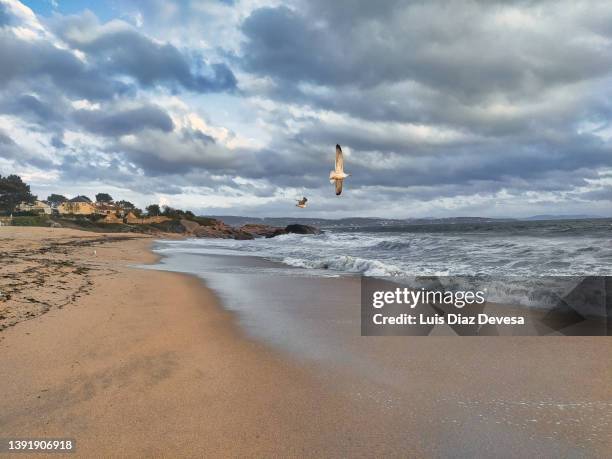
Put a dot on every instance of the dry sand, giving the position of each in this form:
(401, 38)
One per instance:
(146, 363)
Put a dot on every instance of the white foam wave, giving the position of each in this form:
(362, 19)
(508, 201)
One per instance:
(347, 264)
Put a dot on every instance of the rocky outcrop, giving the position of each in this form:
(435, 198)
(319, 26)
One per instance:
(302, 229)
(259, 230)
(277, 232)
(190, 226)
(267, 231)
(218, 229)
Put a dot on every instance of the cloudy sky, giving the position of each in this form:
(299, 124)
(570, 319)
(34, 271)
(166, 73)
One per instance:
(234, 106)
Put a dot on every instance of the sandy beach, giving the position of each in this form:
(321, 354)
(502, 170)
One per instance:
(135, 362)
(146, 363)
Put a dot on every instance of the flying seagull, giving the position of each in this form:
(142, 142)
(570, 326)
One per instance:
(301, 203)
(338, 175)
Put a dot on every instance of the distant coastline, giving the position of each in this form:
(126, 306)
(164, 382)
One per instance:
(237, 220)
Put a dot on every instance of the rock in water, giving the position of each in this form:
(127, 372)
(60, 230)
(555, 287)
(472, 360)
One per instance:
(302, 229)
(276, 232)
(259, 230)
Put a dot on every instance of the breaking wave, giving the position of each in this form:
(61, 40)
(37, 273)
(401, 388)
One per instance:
(349, 264)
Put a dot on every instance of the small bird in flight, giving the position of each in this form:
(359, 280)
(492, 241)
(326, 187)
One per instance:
(301, 203)
(338, 175)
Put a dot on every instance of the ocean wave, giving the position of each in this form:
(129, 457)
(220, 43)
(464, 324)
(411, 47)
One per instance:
(392, 245)
(347, 263)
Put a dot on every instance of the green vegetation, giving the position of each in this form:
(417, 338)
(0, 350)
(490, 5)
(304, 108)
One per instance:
(56, 199)
(104, 197)
(12, 192)
(172, 226)
(153, 210)
(129, 207)
(170, 212)
(31, 220)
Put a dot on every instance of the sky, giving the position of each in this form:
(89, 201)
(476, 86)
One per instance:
(234, 107)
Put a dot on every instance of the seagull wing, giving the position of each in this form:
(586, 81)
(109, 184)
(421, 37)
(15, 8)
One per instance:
(339, 160)
(339, 185)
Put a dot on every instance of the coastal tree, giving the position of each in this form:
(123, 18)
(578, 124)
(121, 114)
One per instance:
(126, 205)
(56, 199)
(13, 191)
(171, 212)
(153, 210)
(104, 197)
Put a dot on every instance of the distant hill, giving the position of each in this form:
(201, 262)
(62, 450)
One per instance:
(235, 220)
(562, 217)
(456, 220)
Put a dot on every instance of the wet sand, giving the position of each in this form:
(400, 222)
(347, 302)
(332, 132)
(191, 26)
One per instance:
(456, 396)
(143, 363)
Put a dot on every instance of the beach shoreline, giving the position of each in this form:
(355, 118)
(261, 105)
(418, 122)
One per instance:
(149, 362)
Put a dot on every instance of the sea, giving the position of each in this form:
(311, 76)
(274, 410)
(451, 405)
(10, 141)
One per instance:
(523, 263)
(516, 248)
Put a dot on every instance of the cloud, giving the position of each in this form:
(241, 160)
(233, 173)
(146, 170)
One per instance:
(99, 57)
(31, 107)
(6, 140)
(118, 48)
(158, 153)
(469, 49)
(5, 17)
(40, 63)
(236, 106)
(472, 97)
(122, 122)
(494, 68)
(11, 150)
